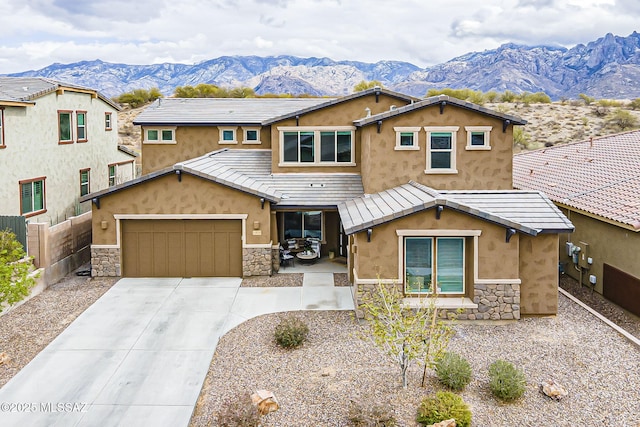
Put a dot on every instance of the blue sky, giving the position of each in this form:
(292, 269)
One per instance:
(36, 33)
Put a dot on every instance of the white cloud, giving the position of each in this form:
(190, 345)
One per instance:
(37, 33)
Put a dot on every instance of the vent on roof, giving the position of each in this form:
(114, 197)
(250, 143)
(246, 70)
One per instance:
(316, 185)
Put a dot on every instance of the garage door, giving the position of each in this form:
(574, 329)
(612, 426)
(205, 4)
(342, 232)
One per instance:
(181, 248)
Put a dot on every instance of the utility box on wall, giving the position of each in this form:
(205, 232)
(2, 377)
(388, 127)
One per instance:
(583, 256)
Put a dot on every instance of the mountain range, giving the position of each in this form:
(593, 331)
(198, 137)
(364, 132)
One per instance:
(608, 67)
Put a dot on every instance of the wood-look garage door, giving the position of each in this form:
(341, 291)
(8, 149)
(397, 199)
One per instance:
(181, 248)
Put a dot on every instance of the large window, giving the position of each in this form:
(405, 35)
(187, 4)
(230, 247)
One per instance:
(65, 134)
(303, 225)
(81, 126)
(2, 128)
(434, 260)
(32, 196)
(441, 149)
(320, 146)
(85, 182)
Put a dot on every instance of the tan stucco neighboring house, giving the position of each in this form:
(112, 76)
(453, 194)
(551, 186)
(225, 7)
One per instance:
(407, 191)
(596, 183)
(58, 142)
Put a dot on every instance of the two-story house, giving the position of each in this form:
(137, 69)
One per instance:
(414, 193)
(58, 142)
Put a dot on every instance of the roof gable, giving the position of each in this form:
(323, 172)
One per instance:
(529, 212)
(442, 101)
(600, 176)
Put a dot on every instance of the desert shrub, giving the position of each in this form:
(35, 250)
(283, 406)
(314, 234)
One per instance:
(635, 104)
(453, 371)
(139, 97)
(506, 381)
(15, 283)
(239, 412)
(609, 103)
(291, 332)
(588, 100)
(622, 119)
(444, 406)
(508, 96)
(381, 415)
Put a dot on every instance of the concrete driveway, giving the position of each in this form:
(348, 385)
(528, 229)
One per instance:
(139, 355)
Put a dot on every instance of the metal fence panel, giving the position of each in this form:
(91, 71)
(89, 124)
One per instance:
(17, 225)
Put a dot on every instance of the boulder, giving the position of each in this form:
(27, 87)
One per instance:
(553, 390)
(4, 358)
(265, 401)
(445, 423)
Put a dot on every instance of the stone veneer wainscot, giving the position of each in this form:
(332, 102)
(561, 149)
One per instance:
(105, 262)
(257, 262)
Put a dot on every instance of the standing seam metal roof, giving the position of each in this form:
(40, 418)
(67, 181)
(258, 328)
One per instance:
(529, 212)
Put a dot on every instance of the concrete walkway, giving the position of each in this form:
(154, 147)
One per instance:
(139, 355)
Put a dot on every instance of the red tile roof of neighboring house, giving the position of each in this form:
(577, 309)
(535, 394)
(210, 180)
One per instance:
(600, 176)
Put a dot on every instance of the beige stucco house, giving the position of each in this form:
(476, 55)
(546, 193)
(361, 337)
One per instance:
(58, 142)
(415, 193)
(596, 183)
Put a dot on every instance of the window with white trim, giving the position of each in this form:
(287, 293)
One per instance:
(323, 145)
(164, 135)
(32, 196)
(434, 260)
(228, 135)
(112, 175)
(441, 149)
(407, 138)
(85, 182)
(478, 137)
(251, 136)
(81, 126)
(107, 121)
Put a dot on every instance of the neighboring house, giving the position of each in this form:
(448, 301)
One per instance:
(58, 142)
(409, 191)
(596, 183)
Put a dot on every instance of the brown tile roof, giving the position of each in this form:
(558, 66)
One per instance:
(601, 176)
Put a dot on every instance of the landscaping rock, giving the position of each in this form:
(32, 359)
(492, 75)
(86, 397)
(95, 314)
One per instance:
(4, 358)
(445, 423)
(265, 401)
(553, 390)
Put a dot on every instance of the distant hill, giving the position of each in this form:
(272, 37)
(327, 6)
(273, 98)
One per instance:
(606, 68)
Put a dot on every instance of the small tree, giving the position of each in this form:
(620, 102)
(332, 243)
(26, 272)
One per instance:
(623, 119)
(364, 85)
(405, 334)
(15, 282)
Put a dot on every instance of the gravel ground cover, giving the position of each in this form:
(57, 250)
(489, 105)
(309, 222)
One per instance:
(29, 328)
(278, 280)
(315, 383)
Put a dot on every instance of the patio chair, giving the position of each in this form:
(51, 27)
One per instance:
(286, 258)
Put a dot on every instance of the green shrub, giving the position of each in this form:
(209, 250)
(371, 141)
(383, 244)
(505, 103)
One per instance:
(376, 416)
(239, 412)
(453, 371)
(15, 282)
(444, 406)
(506, 381)
(291, 332)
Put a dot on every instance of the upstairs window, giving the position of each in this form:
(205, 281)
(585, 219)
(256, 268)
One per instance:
(478, 137)
(159, 136)
(2, 128)
(112, 175)
(81, 126)
(323, 146)
(407, 138)
(228, 135)
(303, 225)
(251, 136)
(84, 182)
(107, 121)
(441, 149)
(65, 135)
(32, 196)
